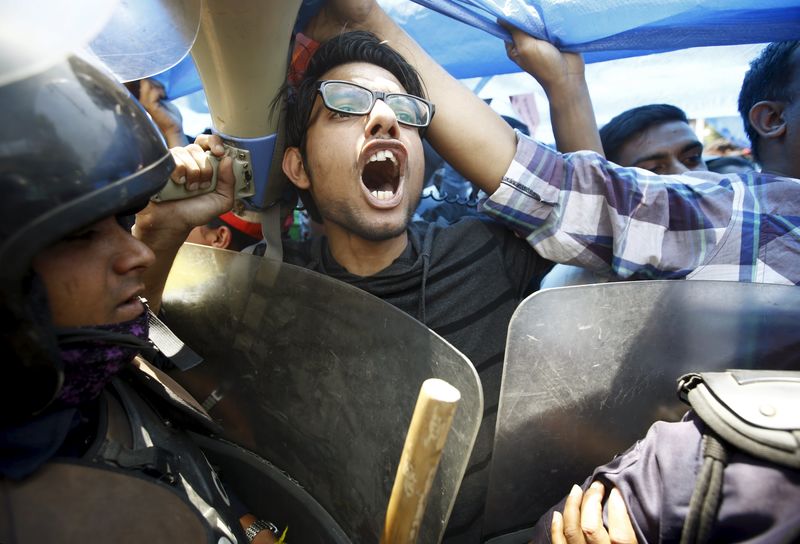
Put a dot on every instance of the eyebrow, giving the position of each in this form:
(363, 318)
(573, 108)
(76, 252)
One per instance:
(658, 156)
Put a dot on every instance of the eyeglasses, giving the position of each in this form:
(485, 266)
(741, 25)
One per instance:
(351, 99)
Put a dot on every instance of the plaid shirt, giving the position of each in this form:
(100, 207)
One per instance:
(580, 209)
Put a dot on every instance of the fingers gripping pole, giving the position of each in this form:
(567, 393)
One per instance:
(427, 433)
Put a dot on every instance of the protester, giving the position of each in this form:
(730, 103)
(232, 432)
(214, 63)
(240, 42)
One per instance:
(580, 209)
(656, 137)
(463, 281)
(228, 231)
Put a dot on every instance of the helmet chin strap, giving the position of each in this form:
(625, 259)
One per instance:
(67, 336)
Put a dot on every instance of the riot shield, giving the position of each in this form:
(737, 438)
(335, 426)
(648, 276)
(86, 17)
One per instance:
(320, 379)
(146, 37)
(588, 369)
(37, 34)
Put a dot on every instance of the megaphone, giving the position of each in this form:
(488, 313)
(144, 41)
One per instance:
(241, 53)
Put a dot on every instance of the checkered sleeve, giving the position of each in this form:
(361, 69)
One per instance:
(582, 210)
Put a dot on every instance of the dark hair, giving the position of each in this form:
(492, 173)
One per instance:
(239, 239)
(617, 132)
(767, 79)
(356, 46)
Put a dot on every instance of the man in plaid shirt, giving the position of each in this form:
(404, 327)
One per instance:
(580, 209)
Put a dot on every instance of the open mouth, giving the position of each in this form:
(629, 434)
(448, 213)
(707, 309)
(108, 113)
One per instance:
(381, 177)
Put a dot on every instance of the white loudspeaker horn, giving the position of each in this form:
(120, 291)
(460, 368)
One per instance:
(242, 53)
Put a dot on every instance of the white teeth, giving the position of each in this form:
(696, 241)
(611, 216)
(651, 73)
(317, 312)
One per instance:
(383, 155)
(382, 195)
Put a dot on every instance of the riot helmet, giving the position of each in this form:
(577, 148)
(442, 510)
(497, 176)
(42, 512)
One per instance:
(75, 148)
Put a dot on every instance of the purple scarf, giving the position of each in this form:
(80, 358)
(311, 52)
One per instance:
(93, 355)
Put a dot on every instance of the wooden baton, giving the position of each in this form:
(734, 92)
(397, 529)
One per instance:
(427, 433)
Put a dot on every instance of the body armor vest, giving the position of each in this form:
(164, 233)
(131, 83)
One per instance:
(142, 479)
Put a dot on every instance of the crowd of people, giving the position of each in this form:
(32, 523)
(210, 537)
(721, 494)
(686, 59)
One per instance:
(633, 200)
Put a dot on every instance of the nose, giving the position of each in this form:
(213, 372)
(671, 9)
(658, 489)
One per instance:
(382, 120)
(132, 254)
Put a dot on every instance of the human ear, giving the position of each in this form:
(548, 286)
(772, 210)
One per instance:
(294, 169)
(222, 237)
(766, 117)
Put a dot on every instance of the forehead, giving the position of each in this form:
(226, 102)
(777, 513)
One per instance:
(664, 138)
(367, 75)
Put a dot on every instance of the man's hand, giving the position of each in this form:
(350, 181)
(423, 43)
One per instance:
(552, 68)
(582, 522)
(164, 226)
(174, 219)
(337, 16)
(563, 79)
(165, 114)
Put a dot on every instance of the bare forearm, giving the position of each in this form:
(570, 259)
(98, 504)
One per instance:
(562, 76)
(176, 139)
(572, 118)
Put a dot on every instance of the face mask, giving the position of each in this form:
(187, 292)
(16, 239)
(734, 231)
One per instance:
(93, 355)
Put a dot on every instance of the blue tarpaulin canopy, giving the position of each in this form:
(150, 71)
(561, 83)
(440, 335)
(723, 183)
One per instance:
(601, 29)
(464, 37)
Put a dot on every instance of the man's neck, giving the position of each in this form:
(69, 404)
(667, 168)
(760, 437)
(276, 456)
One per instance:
(776, 161)
(784, 171)
(363, 257)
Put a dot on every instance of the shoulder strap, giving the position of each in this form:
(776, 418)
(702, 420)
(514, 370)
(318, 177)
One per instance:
(704, 504)
(169, 391)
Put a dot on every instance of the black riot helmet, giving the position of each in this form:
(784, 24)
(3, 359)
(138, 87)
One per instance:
(75, 148)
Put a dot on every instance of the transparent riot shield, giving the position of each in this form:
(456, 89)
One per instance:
(145, 37)
(588, 369)
(320, 379)
(37, 34)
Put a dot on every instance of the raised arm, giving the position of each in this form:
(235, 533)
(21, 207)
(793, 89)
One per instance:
(165, 114)
(465, 131)
(561, 75)
(165, 226)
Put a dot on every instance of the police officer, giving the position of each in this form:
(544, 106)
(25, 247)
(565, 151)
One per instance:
(90, 445)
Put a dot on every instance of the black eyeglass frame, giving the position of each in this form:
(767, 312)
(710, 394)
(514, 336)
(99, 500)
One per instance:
(376, 95)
